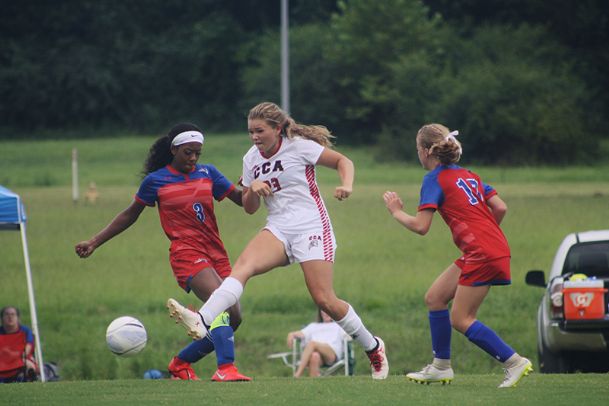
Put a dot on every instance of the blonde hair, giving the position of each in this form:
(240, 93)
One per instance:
(276, 117)
(441, 144)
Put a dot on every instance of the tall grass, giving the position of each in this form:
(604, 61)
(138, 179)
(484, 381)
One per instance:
(381, 269)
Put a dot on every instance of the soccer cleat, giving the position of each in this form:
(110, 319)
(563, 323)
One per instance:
(514, 374)
(378, 361)
(179, 369)
(191, 321)
(431, 374)
(229, 373)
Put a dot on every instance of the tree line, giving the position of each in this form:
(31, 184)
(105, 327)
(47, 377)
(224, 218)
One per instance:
(524, 81)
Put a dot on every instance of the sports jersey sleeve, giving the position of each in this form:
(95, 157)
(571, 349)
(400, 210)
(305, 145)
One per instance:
(489, 191)
(310, 151)
(29, 336)
(432, 195)
(147, 193)
(221, 185)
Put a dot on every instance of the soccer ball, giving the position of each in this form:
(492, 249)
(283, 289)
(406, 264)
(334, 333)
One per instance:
(126, 336)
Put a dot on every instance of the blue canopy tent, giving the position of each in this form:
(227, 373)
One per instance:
(12, 217)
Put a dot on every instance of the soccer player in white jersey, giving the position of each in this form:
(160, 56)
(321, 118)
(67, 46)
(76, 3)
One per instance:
(280, 169)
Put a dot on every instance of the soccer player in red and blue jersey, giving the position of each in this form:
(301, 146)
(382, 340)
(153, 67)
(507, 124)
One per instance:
(473, 211)
(184, 193)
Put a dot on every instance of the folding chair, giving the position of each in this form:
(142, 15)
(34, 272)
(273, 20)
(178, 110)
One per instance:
(292, 358)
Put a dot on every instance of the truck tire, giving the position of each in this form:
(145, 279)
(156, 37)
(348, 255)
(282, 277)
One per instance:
(552, 363)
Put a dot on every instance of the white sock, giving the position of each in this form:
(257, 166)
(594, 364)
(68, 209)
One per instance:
(224, 297)
(512, 361)
(353, 326)
(441, 363)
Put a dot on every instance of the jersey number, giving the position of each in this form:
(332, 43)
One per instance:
(470, 187)
(273, 184)
(198, 208)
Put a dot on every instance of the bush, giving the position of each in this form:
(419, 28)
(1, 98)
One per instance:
(506, 90)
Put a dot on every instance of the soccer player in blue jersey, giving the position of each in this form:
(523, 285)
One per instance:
(184, 192)
(473, 211)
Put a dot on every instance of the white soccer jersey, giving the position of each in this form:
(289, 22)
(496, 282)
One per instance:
(296, 205)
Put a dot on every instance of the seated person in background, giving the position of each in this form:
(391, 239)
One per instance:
(323, 344)
(17, 363)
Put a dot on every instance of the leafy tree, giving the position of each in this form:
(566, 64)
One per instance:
(515, 99)
(581, 26)
(312, 97)
(369, 38)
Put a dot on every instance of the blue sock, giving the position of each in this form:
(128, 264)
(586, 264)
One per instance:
(441, 330)
(489, 341)
(224, 341)
(196, 350)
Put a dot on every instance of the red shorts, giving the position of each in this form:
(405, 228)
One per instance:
(187, 263)
(495, 272)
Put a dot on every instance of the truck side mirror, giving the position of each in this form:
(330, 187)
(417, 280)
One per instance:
(535, 278)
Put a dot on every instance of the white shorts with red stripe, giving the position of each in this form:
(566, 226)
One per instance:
(310, 245)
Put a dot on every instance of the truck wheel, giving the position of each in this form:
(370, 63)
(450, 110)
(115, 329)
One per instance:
(552, 363)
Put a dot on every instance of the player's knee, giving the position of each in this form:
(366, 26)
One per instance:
(326, 301)
(433, 301)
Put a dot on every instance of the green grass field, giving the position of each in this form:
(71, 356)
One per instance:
(381, 269)
(465, 390)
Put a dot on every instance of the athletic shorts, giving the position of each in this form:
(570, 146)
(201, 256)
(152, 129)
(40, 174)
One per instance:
(495, 272)
(308, 246)
(187, 263)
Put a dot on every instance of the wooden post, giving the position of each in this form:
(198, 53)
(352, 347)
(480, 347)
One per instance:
(74, 175)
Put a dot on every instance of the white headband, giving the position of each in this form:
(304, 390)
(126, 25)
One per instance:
(451, 137)
(187, 136)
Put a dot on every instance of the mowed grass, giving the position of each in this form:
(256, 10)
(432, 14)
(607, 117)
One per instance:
(465, 390)
(381, 269)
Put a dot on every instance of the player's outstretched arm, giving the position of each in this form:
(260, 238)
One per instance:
(236, 196)
(120, 223)
(419, 224)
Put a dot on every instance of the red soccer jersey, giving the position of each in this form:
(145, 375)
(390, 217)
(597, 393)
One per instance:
(460, 196)
(12, 350)
(186, 206)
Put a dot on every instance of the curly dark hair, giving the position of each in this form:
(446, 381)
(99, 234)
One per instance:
(159, 154)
